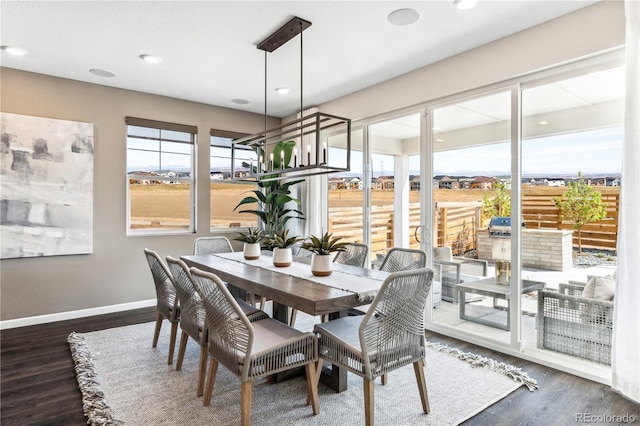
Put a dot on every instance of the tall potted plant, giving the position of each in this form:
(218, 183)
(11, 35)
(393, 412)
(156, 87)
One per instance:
(273, 198)
(322, 249)
(252, 239)
(282, 243)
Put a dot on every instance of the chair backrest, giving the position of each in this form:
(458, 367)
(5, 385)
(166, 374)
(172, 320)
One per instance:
(402, 259)
(355, 254)
(165, 292)
(192, 313)
(230, 332)
(442, 253)
(393, 328)
(210, 245)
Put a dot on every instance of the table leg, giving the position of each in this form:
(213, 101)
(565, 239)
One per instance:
(280, 312)
(335, 377)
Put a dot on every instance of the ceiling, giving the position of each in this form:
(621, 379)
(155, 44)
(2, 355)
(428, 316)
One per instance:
(208, 48)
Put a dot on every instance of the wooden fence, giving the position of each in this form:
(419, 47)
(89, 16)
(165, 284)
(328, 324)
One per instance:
(455, 224)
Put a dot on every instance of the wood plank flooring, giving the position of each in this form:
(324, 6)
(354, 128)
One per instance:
(38, 383)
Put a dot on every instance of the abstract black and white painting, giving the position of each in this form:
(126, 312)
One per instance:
(46, 186)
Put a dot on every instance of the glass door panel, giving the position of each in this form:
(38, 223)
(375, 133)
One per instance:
(571, 164)
(394, 147)
(471, 143)
(345, 195)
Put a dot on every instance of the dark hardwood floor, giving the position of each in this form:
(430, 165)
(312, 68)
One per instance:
(39, 387)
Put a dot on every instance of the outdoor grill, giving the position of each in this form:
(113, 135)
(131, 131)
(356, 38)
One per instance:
(500, 233)
(500, 227)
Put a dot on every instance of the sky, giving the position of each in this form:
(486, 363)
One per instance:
(593, 152)
(598, 151)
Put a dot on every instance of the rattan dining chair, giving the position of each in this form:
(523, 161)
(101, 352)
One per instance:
(193, 316)
(402, 259)
(355, 254)
(389, 336)
(251, 350)
(210, 245)
(167, 303)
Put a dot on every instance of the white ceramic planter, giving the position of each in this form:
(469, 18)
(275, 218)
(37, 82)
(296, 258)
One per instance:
(251, 251)
(282, 256)
(321, 265)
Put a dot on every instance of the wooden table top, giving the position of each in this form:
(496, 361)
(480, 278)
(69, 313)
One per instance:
(298, 293)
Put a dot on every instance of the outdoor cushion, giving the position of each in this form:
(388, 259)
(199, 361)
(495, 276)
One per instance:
(600, 288)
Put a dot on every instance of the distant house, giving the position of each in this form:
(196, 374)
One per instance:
(144, 178)
(217, 176)
(384, 183)
(613, 182)
(556, 182)
(482, 182)
(414, 183)
(355, 183)
(448, 183)
(337, 183)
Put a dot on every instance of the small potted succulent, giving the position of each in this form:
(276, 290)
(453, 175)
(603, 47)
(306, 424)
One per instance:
(322, 249)
(252, 239)
(282, 243)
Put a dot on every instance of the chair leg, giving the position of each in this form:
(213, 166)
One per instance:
(418, 367)
(211, 380)
(202, 370)
(317, 371)
(263, 302)
(292, 320)
(384, 379)
(172, 341)
(312, 387)
(245, 409)
(369, 404)
(184, 338)
(156, 334)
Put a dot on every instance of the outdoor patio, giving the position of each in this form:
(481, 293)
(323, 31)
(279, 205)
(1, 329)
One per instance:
(448, 313)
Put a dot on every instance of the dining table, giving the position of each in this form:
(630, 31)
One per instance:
(296, 287)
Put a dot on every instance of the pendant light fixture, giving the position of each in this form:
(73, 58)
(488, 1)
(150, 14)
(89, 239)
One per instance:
(298, 148)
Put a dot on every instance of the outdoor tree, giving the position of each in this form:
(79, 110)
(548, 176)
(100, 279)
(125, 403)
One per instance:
(581, 204)
(500, 205)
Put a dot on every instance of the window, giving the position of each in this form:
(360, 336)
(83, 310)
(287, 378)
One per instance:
(225, 192)
(160, 176)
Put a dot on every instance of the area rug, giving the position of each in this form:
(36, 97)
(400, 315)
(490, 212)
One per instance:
(125, 381)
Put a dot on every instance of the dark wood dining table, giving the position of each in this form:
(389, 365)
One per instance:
(288, 291)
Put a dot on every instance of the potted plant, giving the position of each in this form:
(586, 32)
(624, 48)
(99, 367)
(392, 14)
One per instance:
(252, 239)
(275, 204)
(281, 243)
(322, 248)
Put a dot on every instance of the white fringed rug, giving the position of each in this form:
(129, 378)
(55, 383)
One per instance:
(123, 379)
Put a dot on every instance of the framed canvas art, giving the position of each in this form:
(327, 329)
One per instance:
(46, 186)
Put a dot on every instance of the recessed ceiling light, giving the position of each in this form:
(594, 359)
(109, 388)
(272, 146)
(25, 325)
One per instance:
(403, 17)
(152, 59)
(15, 51)
(543, 123)
(283, 90)
(101, 73)
(240, 101)
(465, 4)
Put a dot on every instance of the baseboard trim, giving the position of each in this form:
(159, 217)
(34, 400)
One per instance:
(81, 313)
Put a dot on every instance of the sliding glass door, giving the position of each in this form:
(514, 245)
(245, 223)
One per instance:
(471, 182)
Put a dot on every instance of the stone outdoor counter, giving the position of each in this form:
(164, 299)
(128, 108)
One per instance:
(541, 248)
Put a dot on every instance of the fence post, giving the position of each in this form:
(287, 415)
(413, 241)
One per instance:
(390, 233)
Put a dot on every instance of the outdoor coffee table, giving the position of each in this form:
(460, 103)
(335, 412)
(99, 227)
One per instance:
(488, 287)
